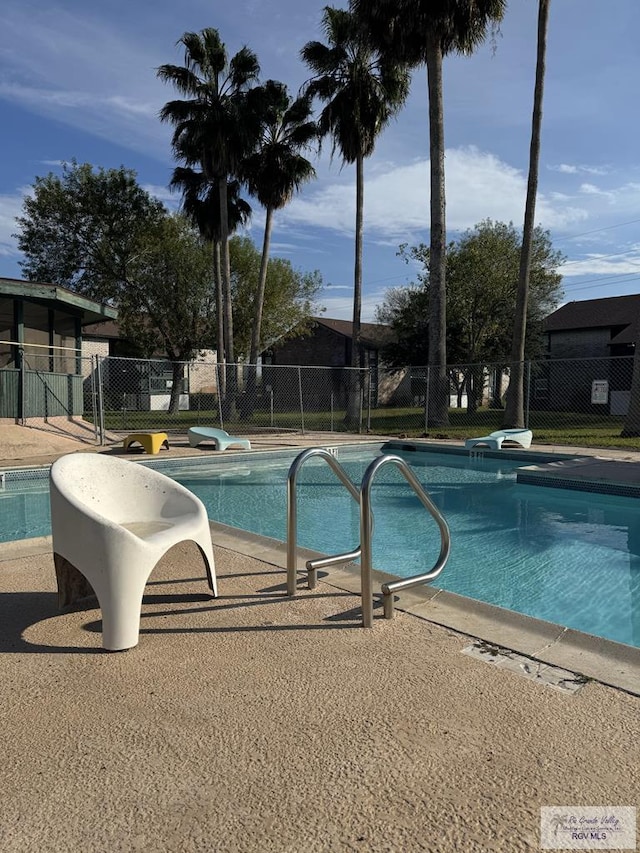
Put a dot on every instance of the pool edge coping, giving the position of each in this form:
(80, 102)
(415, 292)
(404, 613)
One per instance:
(614, 664)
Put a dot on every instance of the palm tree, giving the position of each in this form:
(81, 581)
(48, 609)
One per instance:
(514, 400)
(200, 203)
(276, 170)
(361, 90)
(213, 128)
(423, 32)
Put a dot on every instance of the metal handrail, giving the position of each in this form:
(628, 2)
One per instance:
(292, 516)
(388, 589)
(364, 551)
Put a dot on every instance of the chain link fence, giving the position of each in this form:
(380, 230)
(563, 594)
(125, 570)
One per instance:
(567, 401)
(157, 394)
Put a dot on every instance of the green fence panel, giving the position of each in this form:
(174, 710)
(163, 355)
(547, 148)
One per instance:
(9, 391)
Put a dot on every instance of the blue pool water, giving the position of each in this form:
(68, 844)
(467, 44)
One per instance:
(569, 557)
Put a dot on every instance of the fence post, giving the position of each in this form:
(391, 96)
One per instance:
(361, 387)
(369, 390)
(426, 401)
(94, 404)
(22, 397)
(301, 400)
(527, 395)
(218, 389)
(100, 417)
(332, 411)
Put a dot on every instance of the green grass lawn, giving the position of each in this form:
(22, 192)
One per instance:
(565, 428)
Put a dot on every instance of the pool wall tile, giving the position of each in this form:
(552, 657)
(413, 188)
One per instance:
(620, 489)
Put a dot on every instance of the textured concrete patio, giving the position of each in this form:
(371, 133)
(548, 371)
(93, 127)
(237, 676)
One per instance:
(256, 723)
(259, 723)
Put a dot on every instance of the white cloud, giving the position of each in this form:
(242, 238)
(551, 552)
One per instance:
(571, 169)
(599, 264)
(341, 307)
(591, 189)
(479, 185)
(564, 168)
(163, 194)
(283, 248)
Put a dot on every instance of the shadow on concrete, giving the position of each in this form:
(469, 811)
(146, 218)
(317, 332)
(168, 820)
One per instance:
(20, 611)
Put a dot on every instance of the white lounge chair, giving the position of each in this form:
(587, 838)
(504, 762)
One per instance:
(111, 522)
(495, 440)
(219, 437)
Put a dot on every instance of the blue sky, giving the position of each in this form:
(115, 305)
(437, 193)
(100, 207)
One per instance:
(77, 80)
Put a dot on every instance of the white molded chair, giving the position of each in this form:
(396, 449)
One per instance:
(495, 440)
(111, 522)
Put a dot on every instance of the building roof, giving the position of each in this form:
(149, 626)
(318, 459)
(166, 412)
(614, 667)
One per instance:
(614, 311)
(57, 297)
(105, 329)
(373, 334)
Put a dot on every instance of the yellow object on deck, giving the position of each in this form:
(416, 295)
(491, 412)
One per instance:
(151, 441)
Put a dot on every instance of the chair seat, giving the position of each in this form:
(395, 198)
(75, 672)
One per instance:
(150, 441)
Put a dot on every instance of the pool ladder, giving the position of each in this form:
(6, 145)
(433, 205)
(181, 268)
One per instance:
(363, 497)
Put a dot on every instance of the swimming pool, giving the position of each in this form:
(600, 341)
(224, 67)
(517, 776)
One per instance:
(565, 556)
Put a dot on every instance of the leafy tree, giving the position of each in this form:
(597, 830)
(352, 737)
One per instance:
(361, 89)
(482, 275)
(214, 126)
(275, 171)
(170, 308)
(81, 229)
(97, 232)
(514, 409)
(289, 297)
(417, 32)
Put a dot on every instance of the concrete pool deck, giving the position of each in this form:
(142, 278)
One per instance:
(259, 723)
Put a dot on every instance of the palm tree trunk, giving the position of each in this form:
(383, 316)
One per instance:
(217, 277)
(438, 385)
(227, 303)
(356, 348)
(262, 283)
(353, 404)
(254, 351)
(514, 404)
(225, 270)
